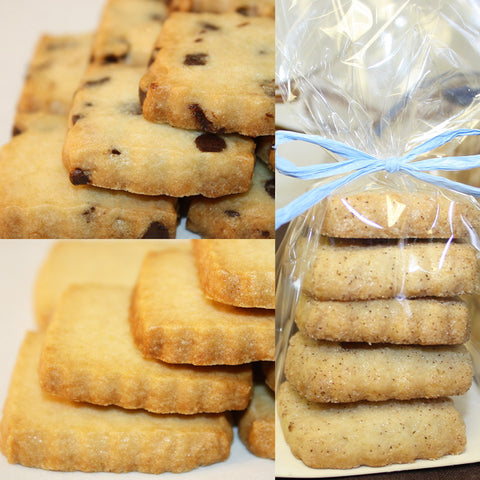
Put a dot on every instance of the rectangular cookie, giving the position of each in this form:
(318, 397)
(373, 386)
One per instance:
(244, 215)
(56, 65)
(40, 430)
(256, 426)
(109, 144)
(214, 73)
(172, 320)
(422, 321)
(237, 272)
(369, 433)
(88, 343)
(358, 271)
(389, 214)
(249, 8)
(37, 200)
(101, 262)
(127, 31)
(340, 372)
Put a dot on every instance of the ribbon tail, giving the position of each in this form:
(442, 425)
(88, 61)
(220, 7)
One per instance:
(446, 183)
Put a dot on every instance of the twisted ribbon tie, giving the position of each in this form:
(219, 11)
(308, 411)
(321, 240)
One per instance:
(358, 164)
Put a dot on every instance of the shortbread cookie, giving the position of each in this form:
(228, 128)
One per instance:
(256, 426)
(173, 321)
(395, 215)
(424, 321)
(58, 62)
(37, 200)
(369, 433)
(110, 144)
(88, 343)
(361, 272)
(349, 372)
(264, 150)
(245, 215)
(269, 371)
(127, 31)
(250, 8)
(214, 73)
(101, 262)
(237, 272)
(40, 430)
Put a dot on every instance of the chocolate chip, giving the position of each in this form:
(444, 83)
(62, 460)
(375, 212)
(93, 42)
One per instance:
(16, 131)
(209, 142)
(114, 151)
(209, 26)
(112, 58)
(198, 40)
(131, 108)
(94, 83)
(88, 213)
(245, 11)
(265, 234)
(156, 230)
(231, 213)
(141, 95)
(88, 104)
(76, 118)
(202, 121)
(270, 187)
(80, 177)
(195, 59)
(268, 88)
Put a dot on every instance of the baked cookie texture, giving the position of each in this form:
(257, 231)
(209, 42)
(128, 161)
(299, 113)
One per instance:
(422, 321)
(101, 262)
(213, 73)
(359, 271)
(172, 320)
(40, 430)
(42, 202)
(109, 144)
(256, 426)
(56, 65)
(369, 433)
(89, 355)
(249, 8)
(395, 215)
(237, 272)
(350, 372)
(244, 215)
(127, 31)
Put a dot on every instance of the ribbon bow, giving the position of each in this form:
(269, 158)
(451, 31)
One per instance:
(359, 163)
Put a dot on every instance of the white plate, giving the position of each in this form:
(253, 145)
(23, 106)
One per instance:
(287, 465)
(19, 262)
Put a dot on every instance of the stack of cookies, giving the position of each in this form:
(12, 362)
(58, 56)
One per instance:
(169, 105)
(118, 382)
(380, 332)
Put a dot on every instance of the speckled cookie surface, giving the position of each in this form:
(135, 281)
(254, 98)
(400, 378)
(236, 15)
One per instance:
(110, 144)
(214, 73)
(173, 321)
(349, 372)
(369, 433)
(424, 321)
(56, 65)
(245, 215)
(359, 271)
(251, 8)
(237, 272)
(127, 31)
(43, 431)
(42, 202)
(395, 215)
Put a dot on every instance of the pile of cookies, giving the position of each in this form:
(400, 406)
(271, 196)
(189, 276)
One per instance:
(380, 331)
(158, 112)
(138, 369)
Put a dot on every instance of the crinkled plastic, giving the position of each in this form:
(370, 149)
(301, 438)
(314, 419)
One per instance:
(387, 259)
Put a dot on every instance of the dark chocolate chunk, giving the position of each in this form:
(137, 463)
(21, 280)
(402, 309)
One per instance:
(245, 11)
(270, 187)
(231, 213)
(141, 95)
(265, 234)
(16, 131)
(88, 213)
(88, 104)
(131, 108)
(209, 142)
(202, 121)
(112, 58)
(209, 26)
(198, 40)
(80, 177)
(76, 118)
(114, 151)
(195, 59)
(94, 83)
(156, 230)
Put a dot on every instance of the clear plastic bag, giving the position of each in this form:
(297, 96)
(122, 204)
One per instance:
(385, 269)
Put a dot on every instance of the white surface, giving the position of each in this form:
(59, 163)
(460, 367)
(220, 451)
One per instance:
(468, 405)
(19, 262)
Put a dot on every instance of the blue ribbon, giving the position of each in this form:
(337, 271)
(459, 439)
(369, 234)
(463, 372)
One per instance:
(358, 164)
